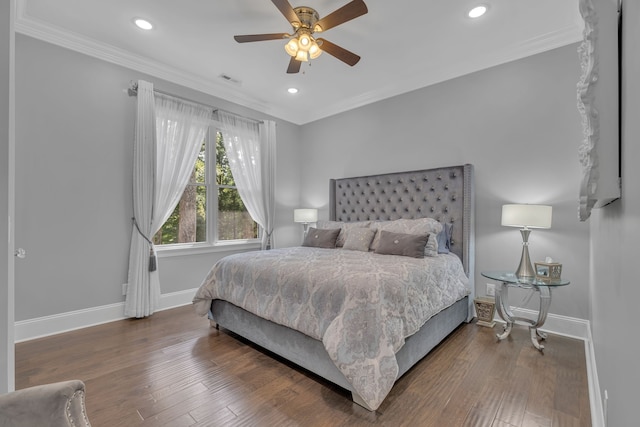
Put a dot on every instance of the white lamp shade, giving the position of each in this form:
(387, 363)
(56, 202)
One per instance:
(530, 216)
(305, 215)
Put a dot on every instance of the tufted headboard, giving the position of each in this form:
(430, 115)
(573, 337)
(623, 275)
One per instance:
(446, 194)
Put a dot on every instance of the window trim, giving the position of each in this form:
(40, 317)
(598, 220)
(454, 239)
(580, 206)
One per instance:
(212, 244)
(184, 249)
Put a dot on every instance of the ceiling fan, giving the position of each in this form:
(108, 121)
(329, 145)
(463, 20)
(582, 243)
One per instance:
(302, 46)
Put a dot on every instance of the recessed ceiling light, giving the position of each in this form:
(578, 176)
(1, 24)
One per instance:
(143, 24)
(292, 90)
(477, 11)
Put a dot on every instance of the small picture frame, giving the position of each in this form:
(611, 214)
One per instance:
(548, 272)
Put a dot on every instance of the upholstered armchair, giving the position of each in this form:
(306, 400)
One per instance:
(52, 405)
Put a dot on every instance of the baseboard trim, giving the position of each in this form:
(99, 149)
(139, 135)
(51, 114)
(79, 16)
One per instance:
(39, 327)
(571, 327)
(598, 417)
(580, 329)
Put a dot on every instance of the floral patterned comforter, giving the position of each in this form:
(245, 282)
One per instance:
(361, 305)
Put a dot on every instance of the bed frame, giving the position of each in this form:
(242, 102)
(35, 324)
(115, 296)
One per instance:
(446, 194)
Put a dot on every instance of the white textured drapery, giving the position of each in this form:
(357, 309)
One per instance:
(143, 291)
(250, 148)
(169, 133)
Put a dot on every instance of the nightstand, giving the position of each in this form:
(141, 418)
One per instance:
(543, 289)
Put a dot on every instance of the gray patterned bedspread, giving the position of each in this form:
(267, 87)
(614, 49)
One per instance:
(361, 305)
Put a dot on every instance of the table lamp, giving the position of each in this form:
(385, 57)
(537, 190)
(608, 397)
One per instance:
(305, 216)
(526, 216)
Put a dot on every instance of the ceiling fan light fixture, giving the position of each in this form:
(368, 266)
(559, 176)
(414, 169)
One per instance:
(302, 56)
(292, 47)
(304, 41)
(303, 47)
(314, 50)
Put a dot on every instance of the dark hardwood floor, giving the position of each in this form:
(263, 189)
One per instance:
(174, 369)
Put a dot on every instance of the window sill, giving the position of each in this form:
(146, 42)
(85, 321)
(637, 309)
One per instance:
(167, 251)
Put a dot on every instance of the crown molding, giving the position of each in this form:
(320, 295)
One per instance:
(64, 38)
(417, 77)
(423, 77)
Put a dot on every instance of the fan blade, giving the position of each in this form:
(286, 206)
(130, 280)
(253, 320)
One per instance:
(294, 66)
(285, 8)
(340, 16)
(260, 37)
(341, 53)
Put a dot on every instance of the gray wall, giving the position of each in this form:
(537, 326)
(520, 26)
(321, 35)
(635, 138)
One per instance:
(6, 198)
(615, 233)
(517, 123)
(74, 132)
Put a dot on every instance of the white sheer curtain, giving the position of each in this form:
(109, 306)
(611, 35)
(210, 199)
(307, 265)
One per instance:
(169, 133)
(181, 128)
(268, 160)
(250, 148)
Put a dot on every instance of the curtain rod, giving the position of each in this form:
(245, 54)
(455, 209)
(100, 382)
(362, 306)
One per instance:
(132, 90)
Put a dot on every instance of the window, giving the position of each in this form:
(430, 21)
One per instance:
(210, 189)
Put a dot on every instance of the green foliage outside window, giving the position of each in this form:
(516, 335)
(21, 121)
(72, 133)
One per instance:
(188, 222)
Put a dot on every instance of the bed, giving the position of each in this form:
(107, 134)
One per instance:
(297, 330)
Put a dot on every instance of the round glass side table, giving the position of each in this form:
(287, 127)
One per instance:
(543, 289)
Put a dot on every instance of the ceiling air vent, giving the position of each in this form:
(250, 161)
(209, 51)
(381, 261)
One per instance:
(230, 79)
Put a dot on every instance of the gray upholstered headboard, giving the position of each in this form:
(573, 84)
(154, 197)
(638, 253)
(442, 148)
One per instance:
(446, 194)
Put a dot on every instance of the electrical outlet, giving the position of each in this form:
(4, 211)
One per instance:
(491, 289)
(124, 288)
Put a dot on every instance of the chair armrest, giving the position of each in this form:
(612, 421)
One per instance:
(58, 404)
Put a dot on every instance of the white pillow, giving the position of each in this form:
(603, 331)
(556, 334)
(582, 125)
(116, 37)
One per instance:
(343, 226)
(358, 239)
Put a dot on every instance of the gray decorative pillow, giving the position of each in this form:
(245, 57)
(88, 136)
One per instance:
(418, 226)
(343, 226)
(321, 238)
(411, 245)
(358, 239)
(444, 238)
(431, 248)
